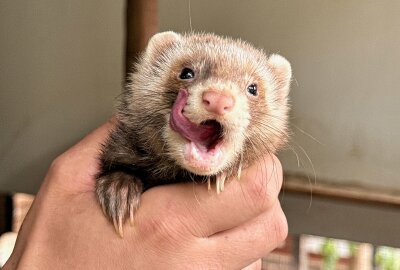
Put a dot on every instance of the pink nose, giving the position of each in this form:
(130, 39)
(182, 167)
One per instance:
(218, 102)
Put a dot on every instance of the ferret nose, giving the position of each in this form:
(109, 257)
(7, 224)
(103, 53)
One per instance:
(218, 102)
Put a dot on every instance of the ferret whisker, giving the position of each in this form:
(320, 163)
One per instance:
(307, 134)
(310, 161)
(267, 149)
(298, 128)
(194, 193)
(269, 127)
(296, 154)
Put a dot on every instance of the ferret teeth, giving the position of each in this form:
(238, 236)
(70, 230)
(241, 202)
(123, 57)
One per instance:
(196, 153)
(223, 178)
(239, 172)
(220, 182)
(202, 159)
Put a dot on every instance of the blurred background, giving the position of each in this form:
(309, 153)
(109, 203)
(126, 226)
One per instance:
(62, 65)
(61, 68)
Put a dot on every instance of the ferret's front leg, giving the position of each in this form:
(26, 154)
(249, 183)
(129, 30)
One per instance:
(119, 194)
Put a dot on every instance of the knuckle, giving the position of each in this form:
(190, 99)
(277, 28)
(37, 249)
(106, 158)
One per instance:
(277, 230)
(149, 226)
(274, 231)
(58, 164)
(258, 189)
(164, 234)
(281, 228)
(166, 226)
(155, 228)
(265, 183)
(257, 194)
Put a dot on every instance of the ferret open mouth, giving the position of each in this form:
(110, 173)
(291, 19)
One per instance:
(205, 139)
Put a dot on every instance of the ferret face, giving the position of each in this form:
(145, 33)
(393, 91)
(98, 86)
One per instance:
(218, 102)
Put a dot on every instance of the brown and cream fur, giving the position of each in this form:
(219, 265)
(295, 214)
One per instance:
(143, 150)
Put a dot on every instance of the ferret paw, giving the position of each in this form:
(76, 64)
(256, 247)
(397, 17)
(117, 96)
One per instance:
(119, 194)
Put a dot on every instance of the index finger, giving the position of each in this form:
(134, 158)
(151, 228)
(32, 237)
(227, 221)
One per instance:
(74, 170)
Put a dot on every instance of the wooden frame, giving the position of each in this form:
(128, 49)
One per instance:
(141, 24)
(341, 211)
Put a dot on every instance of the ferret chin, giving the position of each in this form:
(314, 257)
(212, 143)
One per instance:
(197, 106)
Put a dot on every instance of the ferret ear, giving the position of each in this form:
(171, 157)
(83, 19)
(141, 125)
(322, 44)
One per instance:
(161, 41)
(282, 73)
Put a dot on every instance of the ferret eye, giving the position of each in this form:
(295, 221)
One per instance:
(252, 89)
(186, 74)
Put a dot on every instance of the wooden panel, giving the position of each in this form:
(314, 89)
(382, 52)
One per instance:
(343, 219)
(341, 211)
(304, 185)
(141, 24)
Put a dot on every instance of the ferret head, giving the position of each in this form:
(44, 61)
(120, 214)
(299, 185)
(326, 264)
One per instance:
(209, 103)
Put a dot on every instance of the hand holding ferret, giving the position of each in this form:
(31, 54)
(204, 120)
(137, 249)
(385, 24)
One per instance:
(178, 226)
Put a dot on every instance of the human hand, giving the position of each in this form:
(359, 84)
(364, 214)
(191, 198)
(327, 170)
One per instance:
(179, 226)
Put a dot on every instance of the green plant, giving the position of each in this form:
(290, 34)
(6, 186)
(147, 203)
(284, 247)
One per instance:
(387, 258)
(330, 254)
(353, 247)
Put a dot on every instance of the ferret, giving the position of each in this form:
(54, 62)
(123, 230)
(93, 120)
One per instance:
(197, 107)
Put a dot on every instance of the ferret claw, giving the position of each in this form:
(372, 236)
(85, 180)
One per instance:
(131, 212)
(119, 195)
(118, 227)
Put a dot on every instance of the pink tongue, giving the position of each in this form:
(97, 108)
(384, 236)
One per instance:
(202, 135)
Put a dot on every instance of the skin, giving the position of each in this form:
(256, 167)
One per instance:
(179, 226)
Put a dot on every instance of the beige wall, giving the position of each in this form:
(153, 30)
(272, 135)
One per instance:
(60, 70)
(346, 62)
